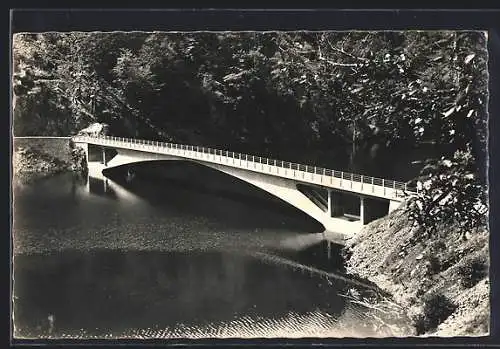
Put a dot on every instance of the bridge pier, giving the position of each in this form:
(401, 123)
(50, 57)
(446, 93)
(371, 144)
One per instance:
(103, 150)
(334, 204)
(372, 209)
(362, 215)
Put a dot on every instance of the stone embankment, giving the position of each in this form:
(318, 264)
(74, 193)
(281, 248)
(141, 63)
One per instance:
(34, 158)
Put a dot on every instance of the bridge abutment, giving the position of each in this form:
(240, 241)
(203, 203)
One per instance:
(393, 205)
(362, 215)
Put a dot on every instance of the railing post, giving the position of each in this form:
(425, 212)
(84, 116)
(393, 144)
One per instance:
(361, 182)
(383, 184)
(373, 187)
(351, 179)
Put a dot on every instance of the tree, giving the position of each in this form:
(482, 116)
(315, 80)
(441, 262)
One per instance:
(269, 92)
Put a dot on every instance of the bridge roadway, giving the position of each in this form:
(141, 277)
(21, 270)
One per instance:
(280, 178)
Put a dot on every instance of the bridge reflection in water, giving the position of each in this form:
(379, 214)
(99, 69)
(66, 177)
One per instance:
(99, 185)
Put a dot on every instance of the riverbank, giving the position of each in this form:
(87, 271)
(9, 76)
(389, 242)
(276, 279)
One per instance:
(36, 158)
(442, 282)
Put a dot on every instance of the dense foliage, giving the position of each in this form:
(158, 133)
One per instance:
(314, 97)
(78, 160)
(449, 193)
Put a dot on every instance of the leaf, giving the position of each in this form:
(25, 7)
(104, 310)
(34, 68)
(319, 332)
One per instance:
(469, 58)
(449, 112)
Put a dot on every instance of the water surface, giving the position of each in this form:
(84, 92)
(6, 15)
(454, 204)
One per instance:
(160, 258)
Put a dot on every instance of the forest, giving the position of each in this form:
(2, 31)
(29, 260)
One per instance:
(332, 99)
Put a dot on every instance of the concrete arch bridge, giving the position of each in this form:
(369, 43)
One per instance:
(319, 192)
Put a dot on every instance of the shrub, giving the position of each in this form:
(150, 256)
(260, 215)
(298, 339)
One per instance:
(437, 246)
(451, 193)
(437, 308)
(433, 265)
(472, 272)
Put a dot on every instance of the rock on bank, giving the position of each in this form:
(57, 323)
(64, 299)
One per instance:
(442, 280)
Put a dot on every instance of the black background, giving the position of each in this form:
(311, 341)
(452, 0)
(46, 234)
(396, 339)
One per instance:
(357, 18)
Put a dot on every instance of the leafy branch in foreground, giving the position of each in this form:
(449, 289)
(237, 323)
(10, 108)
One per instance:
(450, 193)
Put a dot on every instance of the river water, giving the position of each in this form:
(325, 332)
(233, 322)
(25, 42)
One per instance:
(162, 257)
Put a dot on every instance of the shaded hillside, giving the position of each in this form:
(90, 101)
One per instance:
(341, 100)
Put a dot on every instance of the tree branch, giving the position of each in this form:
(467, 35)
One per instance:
(78, 104)
(346, 53)
(350, 65)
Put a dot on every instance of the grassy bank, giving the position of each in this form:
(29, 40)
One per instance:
(35, 158)
(443, 282)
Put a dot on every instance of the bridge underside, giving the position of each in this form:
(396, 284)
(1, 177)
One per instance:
(326, 206)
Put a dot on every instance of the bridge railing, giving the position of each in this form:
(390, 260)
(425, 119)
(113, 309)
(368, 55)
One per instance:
(386, 183)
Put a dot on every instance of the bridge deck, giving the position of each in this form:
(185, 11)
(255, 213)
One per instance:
(337, 180)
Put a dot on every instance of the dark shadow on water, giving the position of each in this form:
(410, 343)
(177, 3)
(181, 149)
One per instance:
(331, 258)
(114, 291)
(321, 256)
